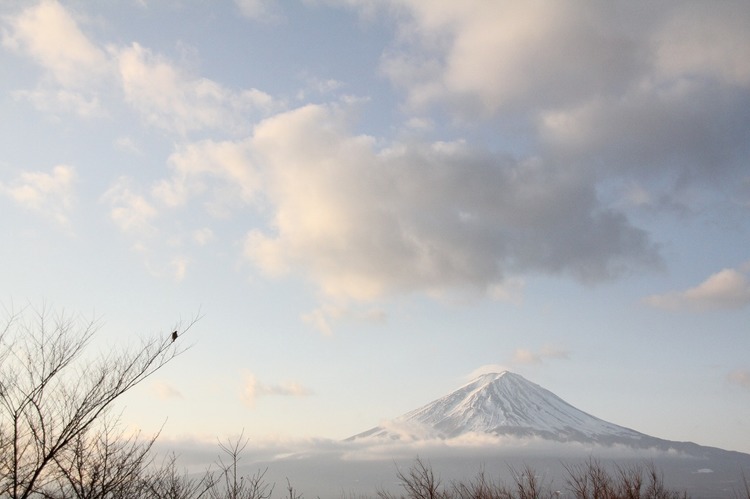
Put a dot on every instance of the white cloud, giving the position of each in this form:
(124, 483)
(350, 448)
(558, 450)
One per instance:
(487, 369)
(165, 391)
(252, 389)
(50, 34)
(225, 168)
(166, 95)
(130, 211)
(50, 194)
(203, 236)
(726, 289)
(169, 98)
(510, 290)
(127, 144)
(74, 66)
(526, 356)
(259, 10)
(179, 265)
(327, 315)
(62, 100)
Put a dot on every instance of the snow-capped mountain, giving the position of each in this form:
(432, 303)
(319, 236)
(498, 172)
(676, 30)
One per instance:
(508, 404)
(533, 427)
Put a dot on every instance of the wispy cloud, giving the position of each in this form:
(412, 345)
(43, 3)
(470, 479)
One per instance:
(325, 317)
(740, 377)
(50, 194)
(259, 10)
(169, 98)
(166, 96)
(727, 289)
(131, 211)
(252, 389)
(547, 352)
(179, 265)
(203, 236)
(521, 358)
(488, 369)
(165, 391)
(74, 66)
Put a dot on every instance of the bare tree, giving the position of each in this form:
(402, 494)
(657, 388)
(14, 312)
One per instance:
(52, 394)
(291, 491)
(419, 482)
(166, 482)
(235, 485)
(529, 485)
(102, 463)
(481, 487)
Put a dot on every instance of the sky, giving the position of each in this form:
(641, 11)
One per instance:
(369, 202)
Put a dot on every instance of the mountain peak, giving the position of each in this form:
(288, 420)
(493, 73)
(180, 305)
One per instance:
(505, 403)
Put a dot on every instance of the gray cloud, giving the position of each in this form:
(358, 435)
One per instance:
(361, 221)
(651, 92)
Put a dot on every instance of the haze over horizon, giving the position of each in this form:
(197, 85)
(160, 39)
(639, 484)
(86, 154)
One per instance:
(371, 202)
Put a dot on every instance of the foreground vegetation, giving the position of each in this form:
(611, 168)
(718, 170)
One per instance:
(58, 439)
(589, 480)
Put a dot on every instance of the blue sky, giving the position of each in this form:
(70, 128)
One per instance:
(369, 202)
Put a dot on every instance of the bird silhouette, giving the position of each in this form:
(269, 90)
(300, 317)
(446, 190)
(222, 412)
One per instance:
(174, 335)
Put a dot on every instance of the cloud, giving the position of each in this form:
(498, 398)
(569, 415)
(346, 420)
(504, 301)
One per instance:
(740, 377)
(491, 56)
(725, 290)
(487, 369)
(224, 168)
(700, 39)
(168, 98)
(659, 94)
(252, 389)
(362, 221)
(525, 356)
(510, 290)
(259, 10)
(165, 391)
(179, 265)
(165, 95)
(203, 236)
(74, 66)
(51, 36)
(127, 144)
(130, 211)
(50, 194)
(327, 315)
(62, 100)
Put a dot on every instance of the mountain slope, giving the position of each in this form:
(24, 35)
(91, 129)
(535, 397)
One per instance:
(539, 429)
(508, 404)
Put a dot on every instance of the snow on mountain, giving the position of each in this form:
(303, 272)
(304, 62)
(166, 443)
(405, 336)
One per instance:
(507, 404)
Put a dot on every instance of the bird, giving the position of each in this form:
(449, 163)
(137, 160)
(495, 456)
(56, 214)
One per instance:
(174, 335)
